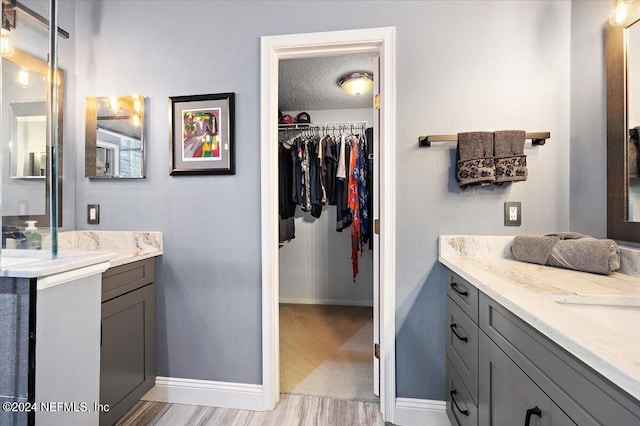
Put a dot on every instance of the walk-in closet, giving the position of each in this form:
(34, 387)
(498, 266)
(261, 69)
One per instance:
(326, 255)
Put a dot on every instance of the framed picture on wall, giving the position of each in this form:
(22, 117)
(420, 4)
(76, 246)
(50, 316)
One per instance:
(201, 134)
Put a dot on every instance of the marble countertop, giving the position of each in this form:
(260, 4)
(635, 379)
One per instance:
(534, 292)
(79, 249)
(17, 264)
(124, 246)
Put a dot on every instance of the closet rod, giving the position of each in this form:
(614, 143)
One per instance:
(328, 125)
(537, 138)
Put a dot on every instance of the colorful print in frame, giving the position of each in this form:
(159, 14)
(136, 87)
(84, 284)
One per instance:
(202, 134)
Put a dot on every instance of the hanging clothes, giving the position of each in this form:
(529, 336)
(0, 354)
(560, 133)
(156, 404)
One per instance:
(286, 204)
(369, 184)
(320, 169)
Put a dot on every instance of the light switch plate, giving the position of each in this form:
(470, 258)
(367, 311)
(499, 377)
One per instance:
(93, 214)
(512, 213)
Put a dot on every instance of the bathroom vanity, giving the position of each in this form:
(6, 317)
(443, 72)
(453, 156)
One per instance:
(50, 338)
(128, 315)
(128, 339)
(535, 345)
(78, 332)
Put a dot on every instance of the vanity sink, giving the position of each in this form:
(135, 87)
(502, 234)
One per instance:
(619, 314)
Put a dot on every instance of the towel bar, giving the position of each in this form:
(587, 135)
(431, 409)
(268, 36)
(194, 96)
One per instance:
(537, 138)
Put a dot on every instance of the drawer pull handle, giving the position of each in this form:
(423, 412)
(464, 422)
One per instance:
(535, 411)
(454, 328)
(454, 286)
(463, 412)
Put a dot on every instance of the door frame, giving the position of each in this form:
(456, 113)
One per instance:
(274, 48)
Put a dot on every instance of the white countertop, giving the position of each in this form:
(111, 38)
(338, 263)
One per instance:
(532, 292)
(124, 246)
(19, 266)
(79, 249)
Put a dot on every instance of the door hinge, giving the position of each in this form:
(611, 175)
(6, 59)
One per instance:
(376, 226)
(376, 350)
(376, 101)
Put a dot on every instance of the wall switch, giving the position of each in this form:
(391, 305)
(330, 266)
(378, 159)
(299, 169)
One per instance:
(512, 213)
(93, 214)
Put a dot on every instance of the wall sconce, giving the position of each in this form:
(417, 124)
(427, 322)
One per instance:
(621, 12)
(7, 44)
(356, 83)
(24, 78)
(114, 104)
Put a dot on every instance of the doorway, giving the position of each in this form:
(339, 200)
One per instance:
(380, 41)
(326, 251)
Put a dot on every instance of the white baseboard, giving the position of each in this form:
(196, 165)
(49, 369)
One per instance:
(240, 396)
(327, 302)
(420, 412)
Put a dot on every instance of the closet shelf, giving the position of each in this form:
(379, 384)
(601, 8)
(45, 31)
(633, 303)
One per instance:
(333, 125)
(537, 138)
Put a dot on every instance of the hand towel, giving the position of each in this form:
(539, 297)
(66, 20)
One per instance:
(569, 250)
(474, 158)
(510, 161)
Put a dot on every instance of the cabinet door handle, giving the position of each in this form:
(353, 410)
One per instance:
(454, 286)
(535, 411)
(100, 333)
(454, 328)
(463, 412)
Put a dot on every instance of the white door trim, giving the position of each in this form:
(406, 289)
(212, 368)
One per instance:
(274, 48)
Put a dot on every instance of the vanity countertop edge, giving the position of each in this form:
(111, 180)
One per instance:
(528, 291)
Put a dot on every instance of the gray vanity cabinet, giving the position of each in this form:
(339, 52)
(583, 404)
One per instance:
(510, 397)
(521, 375)
(462, 352)
(127, 353)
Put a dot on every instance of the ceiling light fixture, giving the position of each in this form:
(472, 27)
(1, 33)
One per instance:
(356, 83)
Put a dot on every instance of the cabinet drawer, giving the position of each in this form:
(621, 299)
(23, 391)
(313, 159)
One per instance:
(585, 396)
(461, 409)
(462, 346)
(464, 294)
(507, 395)
(125, 278)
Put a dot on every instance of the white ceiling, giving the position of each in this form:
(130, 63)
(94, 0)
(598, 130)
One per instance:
(312, 83)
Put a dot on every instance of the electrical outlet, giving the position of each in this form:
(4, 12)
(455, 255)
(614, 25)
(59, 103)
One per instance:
(512, 213)
(93, 214)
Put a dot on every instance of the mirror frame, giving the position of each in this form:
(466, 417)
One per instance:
(40, 66)
(90, 138)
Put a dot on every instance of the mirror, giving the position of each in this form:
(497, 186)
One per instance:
(28, 140)
(25, 180)
(115, 137)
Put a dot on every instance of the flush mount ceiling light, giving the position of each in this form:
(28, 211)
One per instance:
(356, 83)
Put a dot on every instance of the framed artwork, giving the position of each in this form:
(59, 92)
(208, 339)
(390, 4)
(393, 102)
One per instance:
(201, 134)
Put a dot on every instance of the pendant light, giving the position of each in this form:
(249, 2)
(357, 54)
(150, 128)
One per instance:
(356, 83)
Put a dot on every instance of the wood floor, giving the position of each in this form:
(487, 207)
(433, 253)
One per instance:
(292, 410)
(327, 351)
(313, 340)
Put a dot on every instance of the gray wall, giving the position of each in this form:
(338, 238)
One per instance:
(588, 118)
(461, 66)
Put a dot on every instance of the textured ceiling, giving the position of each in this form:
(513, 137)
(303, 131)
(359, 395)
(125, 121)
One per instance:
(312, 83)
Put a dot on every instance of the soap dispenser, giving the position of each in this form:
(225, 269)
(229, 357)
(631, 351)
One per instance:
(33, 240)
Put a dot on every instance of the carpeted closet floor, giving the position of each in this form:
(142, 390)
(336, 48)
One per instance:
(326, 350)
